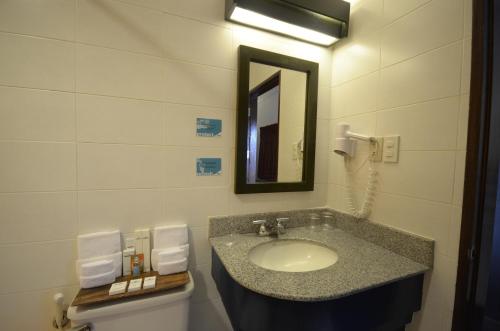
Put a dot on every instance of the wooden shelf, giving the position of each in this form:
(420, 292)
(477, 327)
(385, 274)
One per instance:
(96, 295)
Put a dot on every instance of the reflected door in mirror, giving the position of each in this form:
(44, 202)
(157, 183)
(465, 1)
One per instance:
(276, 119)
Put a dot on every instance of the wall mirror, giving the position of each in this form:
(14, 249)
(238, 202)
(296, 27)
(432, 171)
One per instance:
(276, 126)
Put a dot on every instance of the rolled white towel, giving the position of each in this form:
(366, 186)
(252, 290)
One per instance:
(98, 280)
(167, 268)
(99, 267)
(116, 258)
(170, 236)
(98, 244)
(162, 255)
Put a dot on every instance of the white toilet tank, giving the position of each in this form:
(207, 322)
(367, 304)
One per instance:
(168, 311)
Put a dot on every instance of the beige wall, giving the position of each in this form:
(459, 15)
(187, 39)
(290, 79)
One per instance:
(98, 101)
(405, 70)
(259, 73)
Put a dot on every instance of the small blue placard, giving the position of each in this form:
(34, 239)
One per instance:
(208, 167)
(208, 127)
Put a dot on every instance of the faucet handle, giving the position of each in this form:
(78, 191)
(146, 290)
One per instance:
(280, 228)
(259, 222)
(280, 221)
(262, 229)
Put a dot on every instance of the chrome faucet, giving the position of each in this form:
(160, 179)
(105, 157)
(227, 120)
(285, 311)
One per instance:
(280, 227)
(263, 231)
(266, 230)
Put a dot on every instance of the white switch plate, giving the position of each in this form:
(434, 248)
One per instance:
(391, 149)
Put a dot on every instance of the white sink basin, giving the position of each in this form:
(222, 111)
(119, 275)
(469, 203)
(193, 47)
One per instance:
(292, 256)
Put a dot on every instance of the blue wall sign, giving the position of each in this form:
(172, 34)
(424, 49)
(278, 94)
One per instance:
(208, 167)
(208, 127)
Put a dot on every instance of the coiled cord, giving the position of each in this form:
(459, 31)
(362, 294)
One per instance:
(367, 204)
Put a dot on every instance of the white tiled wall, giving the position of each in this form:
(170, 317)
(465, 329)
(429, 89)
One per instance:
(405, 70)
(97, 106)
(98, 101)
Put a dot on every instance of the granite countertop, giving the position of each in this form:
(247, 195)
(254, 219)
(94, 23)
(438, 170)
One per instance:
(361, 265)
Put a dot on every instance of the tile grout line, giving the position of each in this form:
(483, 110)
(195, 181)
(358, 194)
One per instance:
(171, 13)
(77, 211)
(34, 242)
(40, 290)
(210, 107)
(397, 63)
(89, 142)
(158, 57)
(397, 107)
(123, 50)
(450, 203)
(166, 188)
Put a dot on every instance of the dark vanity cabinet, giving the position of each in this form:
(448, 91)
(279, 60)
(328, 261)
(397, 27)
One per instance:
(389, 307)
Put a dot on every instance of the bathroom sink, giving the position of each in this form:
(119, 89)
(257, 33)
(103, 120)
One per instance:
(292, 255)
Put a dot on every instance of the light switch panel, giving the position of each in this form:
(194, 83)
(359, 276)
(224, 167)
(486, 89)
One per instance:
(391, 149)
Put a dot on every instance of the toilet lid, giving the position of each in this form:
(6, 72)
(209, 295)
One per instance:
(128, 305)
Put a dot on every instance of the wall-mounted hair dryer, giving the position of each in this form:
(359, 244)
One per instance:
(345, 140)
(345, 145)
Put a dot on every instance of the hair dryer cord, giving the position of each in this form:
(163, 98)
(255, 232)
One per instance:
(367, 204)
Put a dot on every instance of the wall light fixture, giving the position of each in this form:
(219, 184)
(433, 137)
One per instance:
(320, 22)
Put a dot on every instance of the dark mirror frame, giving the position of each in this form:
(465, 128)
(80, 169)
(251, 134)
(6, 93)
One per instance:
(246, 56)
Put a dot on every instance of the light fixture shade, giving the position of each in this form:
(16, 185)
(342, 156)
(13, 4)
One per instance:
(320, 22)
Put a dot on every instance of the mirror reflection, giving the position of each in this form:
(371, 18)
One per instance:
(276, 124)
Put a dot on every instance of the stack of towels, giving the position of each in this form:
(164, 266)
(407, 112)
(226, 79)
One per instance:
(99, 258)
(171, 249)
